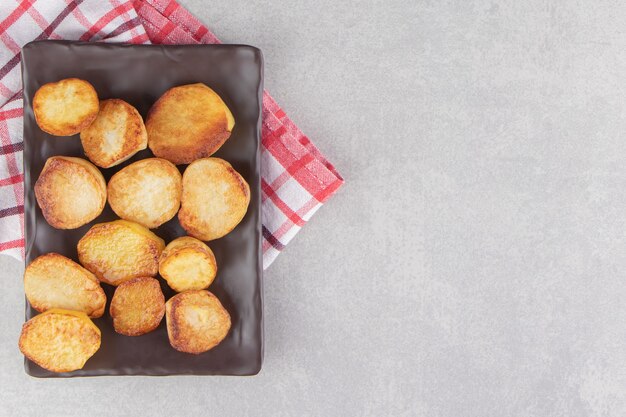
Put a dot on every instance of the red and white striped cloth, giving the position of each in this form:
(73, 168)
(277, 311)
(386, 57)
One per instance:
(296, 178)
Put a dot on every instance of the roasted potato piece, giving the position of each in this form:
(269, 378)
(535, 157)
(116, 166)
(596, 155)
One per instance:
(60, 340)
(54, 281)
(65, 107)
(120, 250)
(138, 306)
(71, 192)
(215, 199)
(187, 123)
(115, 135)
(146, 192)
(196, 321)
(187, 264)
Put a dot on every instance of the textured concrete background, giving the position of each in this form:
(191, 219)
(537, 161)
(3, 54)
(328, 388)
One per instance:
(474, 264)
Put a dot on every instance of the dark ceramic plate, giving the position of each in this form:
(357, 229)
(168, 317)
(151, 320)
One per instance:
(139, 74)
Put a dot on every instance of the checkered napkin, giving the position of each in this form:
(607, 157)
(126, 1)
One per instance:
(296, 178)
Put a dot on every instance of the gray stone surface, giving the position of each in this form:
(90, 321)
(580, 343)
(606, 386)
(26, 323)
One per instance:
(474, 264)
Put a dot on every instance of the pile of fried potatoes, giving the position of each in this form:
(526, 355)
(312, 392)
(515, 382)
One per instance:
(185, 126)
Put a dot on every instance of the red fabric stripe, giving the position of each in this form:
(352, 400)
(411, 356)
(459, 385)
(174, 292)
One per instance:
(57, 21)
(299, 164)
(125, 16)
(11, 148)
(271, 239)
(284, 228)
(11, 180)
(170, 8)
(80, 17)
(279, 132)
(287, 225)
(306, 208)
(124, 27)
(325, 193)
(290, 172)
(11, 114)
(15, 14)
(11, 244)
(162, 34)
(9, 43)
(139, 39)
(202, 30)
(12, 211)
(105, 20)
(312, 178)
(10, 65)
(185, 21)
(5, 91)
(287, 211)
(38, 18)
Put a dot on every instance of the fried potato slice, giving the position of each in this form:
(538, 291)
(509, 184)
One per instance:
(60, 340)
(187, 123)
(187, 264)
(138, 306)
(215, 199)
(54, 281)
(146, 192)
(196, 321)
(65, 107)
(70, 191)
(115, 135)
(120, 250)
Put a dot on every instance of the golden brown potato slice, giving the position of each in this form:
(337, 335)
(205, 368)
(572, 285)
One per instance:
(215, 199)
(120, 250)
(138, 306)
(117, 134)
(70, 191)
(196, 321)
(60, 340)
(146, 192)
(65, 107)
(187, 264)
(54, 281)
(187, 123)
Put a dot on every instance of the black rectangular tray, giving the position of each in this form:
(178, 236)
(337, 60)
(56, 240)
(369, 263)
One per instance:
(140, 74)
